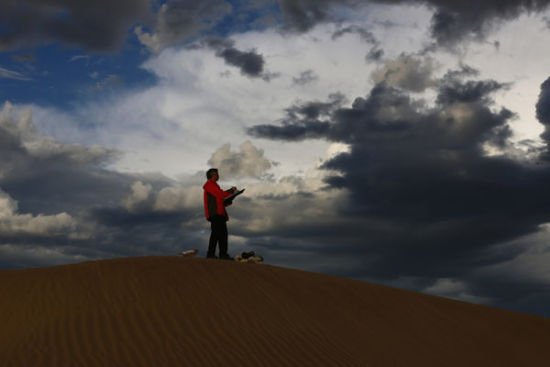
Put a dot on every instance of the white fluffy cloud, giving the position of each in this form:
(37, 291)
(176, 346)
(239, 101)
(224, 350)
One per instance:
(249, 161)
(139, 193)
(13, 223)
(175, 198)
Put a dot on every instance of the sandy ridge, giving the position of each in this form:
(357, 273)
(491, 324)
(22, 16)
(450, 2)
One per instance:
(170, 311)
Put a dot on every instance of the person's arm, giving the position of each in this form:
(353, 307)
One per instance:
(231, 191)
(215, 190)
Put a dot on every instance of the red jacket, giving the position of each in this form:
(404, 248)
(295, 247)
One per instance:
(213, 200)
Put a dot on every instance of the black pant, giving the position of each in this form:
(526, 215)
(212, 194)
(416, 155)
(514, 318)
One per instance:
(218, 235)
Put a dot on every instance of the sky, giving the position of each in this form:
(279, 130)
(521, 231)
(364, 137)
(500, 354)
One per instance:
(404, 143)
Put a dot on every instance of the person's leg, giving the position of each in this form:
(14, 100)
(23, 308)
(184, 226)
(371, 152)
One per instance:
(223, 238)
(214, 238)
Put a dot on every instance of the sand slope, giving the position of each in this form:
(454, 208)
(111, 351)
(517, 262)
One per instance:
(169, 311)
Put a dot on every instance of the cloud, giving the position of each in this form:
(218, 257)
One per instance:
(249, 161)
(19, 145)
(407, 72)
(471, 91)
(452, 22)
(35, 168)
(305, 77)
(375, 54)
(103, 25)
(17, 256)
(302, 15)
(543, 112)
(80, 57)
(10, 74)
(543, 104)
(181, 20)
(452, 288)
(457, 20)
(249, 62)
(303, 121)
(138, 196)
(20, 130)
(8, 206)
(176, 198)
(15, 224)
(364, 34)
(429, 200)
(98, 26)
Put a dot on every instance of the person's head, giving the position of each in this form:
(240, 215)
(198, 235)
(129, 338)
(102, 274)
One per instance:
(212, 173)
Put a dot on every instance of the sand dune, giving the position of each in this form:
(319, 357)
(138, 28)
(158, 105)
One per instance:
(169, 311)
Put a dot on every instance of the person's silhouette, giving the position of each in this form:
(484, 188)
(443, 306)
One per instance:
(214, 207)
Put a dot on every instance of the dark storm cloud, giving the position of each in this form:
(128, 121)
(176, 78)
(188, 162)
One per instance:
(453, 20)
(471, 91)
(543, 113)
(543, 104)
(430, 203)
(304, 121)
(94, 25)
(249, 62)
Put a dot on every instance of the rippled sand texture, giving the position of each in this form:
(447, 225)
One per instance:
(170, 311)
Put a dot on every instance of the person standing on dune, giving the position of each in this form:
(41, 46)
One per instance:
(214, 207)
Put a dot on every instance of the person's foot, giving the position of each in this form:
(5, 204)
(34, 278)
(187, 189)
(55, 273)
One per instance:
(226, 257)
(211, 257)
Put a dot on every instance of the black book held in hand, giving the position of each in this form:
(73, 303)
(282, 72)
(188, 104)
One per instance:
(233, 196)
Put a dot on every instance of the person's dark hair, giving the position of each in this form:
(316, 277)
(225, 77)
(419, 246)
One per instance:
(211, 172)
